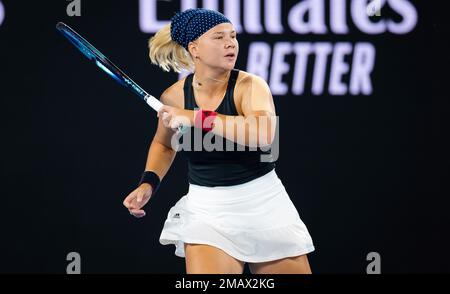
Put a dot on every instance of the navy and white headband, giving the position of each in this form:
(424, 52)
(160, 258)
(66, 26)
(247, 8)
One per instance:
(189, 25)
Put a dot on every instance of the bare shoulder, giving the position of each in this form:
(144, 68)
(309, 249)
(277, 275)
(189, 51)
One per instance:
(254, 94)
(174, 95)
(246, 80)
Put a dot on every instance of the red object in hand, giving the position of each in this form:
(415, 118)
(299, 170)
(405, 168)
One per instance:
(203, 115)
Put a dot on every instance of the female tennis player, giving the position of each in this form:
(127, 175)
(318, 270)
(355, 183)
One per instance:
(236, 210)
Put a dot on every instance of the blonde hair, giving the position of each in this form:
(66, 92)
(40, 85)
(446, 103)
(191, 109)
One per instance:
(167, 53)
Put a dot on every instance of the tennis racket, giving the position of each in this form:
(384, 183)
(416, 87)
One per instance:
(107, 66)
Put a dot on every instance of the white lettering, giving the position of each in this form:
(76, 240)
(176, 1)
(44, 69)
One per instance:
(232, 10)
(259, 59)
(338, 12)
(302, 50)
(188, 4)
(322, 51)
(148, 17)
(304, 17)
(361, 18)
(316, 17)
(350, 67)
(279, 68)
(211, 4)
(252, 17)
(363, 63)
(409, 14)
(273, 17)
(338, 68)
(188, 284)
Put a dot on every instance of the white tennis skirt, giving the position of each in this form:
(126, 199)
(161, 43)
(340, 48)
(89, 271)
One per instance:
(252, 222)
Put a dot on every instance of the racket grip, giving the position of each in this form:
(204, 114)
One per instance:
(153, 102)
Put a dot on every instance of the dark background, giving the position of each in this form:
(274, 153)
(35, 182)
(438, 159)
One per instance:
(367, 173)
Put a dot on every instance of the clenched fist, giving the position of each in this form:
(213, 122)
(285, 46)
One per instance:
(173, 117)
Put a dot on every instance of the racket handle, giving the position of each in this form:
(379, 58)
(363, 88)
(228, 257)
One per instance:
(156, 105)
(153, 102)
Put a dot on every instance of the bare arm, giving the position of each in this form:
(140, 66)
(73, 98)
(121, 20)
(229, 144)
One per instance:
(159, 159)
(161, 155)
(257, 125)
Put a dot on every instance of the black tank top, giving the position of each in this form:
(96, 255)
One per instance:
(222, 167)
